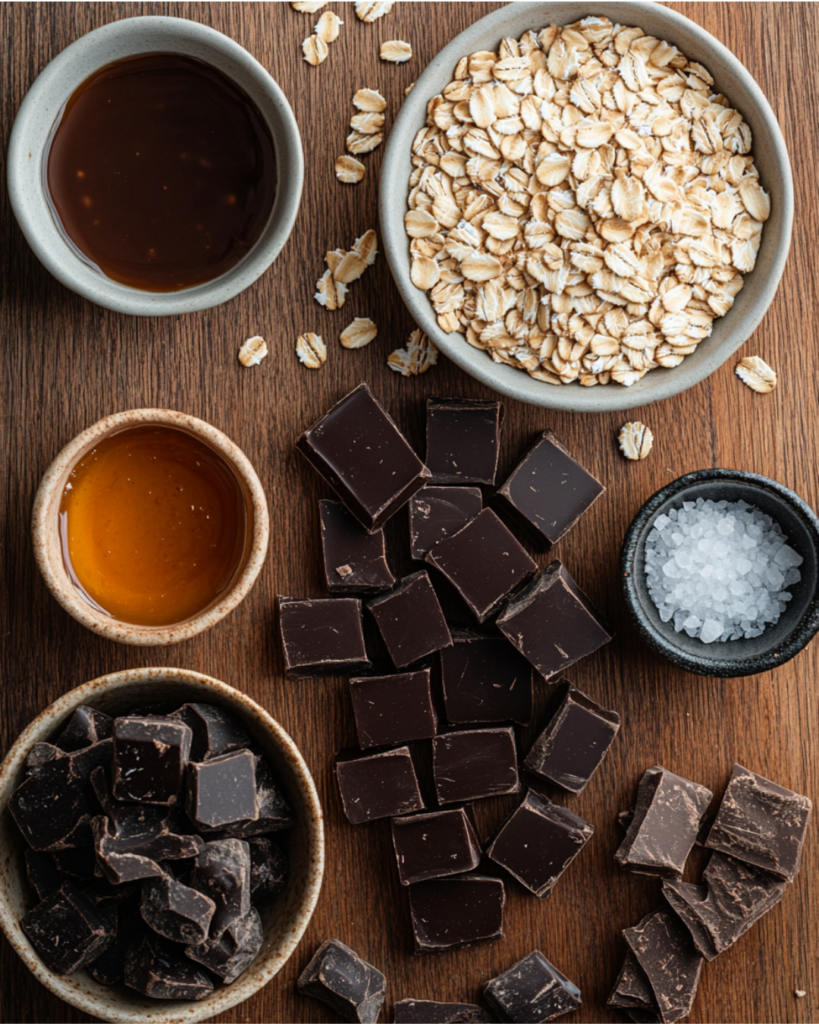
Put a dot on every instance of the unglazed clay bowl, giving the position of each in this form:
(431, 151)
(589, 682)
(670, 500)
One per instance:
(770, 155)
(284, 920)
(42, 108)
(779, 642)
(48, 550)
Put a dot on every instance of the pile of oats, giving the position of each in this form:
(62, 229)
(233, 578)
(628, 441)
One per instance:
(367, 126)
(583, 204)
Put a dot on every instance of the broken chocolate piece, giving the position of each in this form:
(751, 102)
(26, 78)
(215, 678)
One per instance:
(268, 869)
(363, 456)
(339, 977)
(222, 791)
(426, 1011)
(76, 863)
(274, 812)
(530, 991)
(354, 561)
(538, 841)
(42, 873)
(548, 491)
(52, 807)
(85, 727)
(234, 950)
(40, 754)
(118, 863)
(434, 845)
(552, 622)
(475, 763)
(222, 872)
(176, 911)
(485, 679)
(410, 620)
(632, 990)
(214, 731)
(149, 759)
(569, 750)
(322, 637)
(66, 930)
(438, 512)
(448, 913)
(664, 950)
(761, 823)
(484, 563)
(393, 709)
(378, 786)
(159, 971)
(665, 824)
(109, 967)
(463, 440)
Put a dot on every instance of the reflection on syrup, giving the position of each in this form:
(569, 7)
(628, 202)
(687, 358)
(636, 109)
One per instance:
(153, 525)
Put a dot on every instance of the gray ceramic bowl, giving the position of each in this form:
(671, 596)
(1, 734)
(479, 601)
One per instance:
(771, 158)
(43, 106)
(780, 642)
(284, 920)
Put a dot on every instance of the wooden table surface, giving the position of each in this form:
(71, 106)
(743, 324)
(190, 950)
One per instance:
(66, 363)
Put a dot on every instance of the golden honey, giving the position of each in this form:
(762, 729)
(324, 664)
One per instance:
(153, 525)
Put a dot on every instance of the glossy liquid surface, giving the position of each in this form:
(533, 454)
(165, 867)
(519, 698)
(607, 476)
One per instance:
(153, 525)
(162, 172)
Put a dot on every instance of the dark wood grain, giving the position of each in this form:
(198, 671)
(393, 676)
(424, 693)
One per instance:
(66, 363)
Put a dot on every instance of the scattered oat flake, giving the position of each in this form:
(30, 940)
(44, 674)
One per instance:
(800, 993)
(311, 350)
(419, 355)
(349, 170)
(328, 27)
(636, 440)
(349, 268)
(308, 6)
(396, 51)
(253, 351)
(755, 372)
(365, 246)
(372, 10)
(330, 293)
(358, 142)
(314, 49)
(370, 101)
(359, 334)
(367, 124)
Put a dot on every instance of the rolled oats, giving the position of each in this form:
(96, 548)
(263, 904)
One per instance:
(253, 351)
(328, 27)
(330, 293)
(370, 101)
(372, 10)
(359, 142)
(419, 355)
(635, 440)
(368, 123)
(755, 372)
(311, 351)
(396, 51)
(359, 334)
(314, 49)
(308, 6)
(349, 170)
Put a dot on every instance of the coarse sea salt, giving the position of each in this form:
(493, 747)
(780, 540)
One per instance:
(718, 570)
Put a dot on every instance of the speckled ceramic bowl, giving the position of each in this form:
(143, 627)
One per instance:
(770, 154)
(43, 106)
(284, 920)
(48, 551)
(780, 642)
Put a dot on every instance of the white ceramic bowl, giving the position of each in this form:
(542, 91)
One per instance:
(284, 920)
(43, 105)
(770, 154)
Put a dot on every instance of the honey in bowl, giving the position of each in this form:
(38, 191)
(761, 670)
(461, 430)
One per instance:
(161, 172)
(154, 525)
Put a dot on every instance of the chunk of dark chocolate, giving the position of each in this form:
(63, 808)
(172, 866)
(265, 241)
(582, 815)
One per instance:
(149, 759)
(463, 440)
(426, 1011)
(67, 930)
(338, 976)
(632, 990)
(274, 813)
(475, 763)
(40, 754)
(52, 807)
(378, 786)
(234, 950)
(530, 991)
(761, 823)
(552, 622)
(322, 637)
(664, 950)
(109, 967)
(222, 873)
(42, 873)
(363, 456)
(438, 512)
(393, 709)
(268, 869)
(84, 762)
(579, 733)
(484, 563)
(448, 913)
(76, 862)
(158, 970)
(434, 845)
(410, 620)
(485, 679)
(176, 911)
(548, 491)
(664, 827)
(222, 791)
(214, 731)
(117, 862)
(538, 841)
(355, 561)
(85, 727)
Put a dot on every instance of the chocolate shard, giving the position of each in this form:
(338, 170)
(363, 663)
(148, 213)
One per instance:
(363, 456)
(222, 791)
(484, 562)
(109, 967)
(52, 807)
(410, 620)
(538, 841)
(230, 955)
(66, 930)
(274, 813)
(214, 731)
(666, 820)
(42, 873)
(378, 786)
(434, 845)
(268, 869)
(663, 948)
(426, 1011)
(159, 971)
(176, 911)
(552, 622)
(575, 741)
(548, 491)
(530, 991)
(117, 862)
(632, 989)
(85, 727)
(438, 512)
(322, 637)
(222, 873)
(149, 759)
(485, 680)
(448, 913)
(40, 754)
(84, 762)
(684, 899)
(393, 709)
(463, 440)
(338, 976)
(475, 763)
(355, 561)
(761, 823)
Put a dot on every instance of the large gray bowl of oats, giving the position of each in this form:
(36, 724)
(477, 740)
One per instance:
(586, 208)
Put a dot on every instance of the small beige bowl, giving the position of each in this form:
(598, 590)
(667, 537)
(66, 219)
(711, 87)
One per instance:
(48, 551)
(284, 920)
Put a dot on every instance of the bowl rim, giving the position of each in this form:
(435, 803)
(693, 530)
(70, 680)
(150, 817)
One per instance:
(509, 381)
(43, 725)
(54, 252)
(730, 668)
(52, 568)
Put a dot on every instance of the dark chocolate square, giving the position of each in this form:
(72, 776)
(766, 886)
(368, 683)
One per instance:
(438, 512)
(475, 763)
(485, 679)
(463, 440)
(214, 730)
(448, 913)
(222, 791)
(410, 620)
(434, 845)
(67, 930)
(150, 755)
(378, 786)
(355, 561)
(323, 636)
(531, 991)
(664, 950)
(393, 709)
(338, 976)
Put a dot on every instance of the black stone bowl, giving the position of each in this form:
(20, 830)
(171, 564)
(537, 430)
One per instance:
(780, 642)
